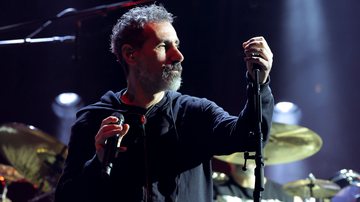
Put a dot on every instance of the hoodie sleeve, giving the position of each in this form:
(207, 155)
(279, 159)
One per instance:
(81, 179)
(236, 134)
(205, 129)
(82, 169)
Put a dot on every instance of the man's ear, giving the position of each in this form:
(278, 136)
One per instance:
(127, 52)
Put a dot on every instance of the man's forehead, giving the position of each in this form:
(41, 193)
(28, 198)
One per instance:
(160, 31)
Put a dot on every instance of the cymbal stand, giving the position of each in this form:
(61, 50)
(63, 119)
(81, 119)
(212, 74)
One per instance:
(311, 192)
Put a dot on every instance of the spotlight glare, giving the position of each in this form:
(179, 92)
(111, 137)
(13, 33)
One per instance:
(285, 107)
(67, 99)
(65, 105)
(287, 112)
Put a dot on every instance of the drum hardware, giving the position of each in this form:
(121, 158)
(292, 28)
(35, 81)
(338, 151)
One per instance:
(3, 188)
(219, 177)
(349, 181)
(346, 177)
(9, 173)
(312, 188)
(287, 143)
(35, 155)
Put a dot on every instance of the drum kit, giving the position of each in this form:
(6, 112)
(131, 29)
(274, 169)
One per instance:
(289, 143)
(31, 163)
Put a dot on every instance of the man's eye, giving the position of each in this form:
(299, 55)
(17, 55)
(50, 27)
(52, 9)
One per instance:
(162, 46)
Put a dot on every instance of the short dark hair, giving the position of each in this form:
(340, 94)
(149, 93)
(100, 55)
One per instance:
(129, 28)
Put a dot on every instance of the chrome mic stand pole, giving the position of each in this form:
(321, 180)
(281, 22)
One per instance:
(259, 170)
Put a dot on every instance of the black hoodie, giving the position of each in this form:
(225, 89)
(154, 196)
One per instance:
(168, 157)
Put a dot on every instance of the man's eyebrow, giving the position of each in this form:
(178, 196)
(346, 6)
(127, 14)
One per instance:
(177, 42)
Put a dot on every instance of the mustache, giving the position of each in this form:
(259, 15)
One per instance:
(173, 67)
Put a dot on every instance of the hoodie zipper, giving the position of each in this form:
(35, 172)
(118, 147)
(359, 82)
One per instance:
(148, 184)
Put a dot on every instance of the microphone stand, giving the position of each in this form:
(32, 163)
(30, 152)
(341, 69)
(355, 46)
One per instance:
(259, 169)
(98, 10)
(70, 12)
(54, 39)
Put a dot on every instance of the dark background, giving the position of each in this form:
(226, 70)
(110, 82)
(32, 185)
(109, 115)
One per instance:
(316, 60)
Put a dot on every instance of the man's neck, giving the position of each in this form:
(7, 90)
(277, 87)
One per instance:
(141, 99)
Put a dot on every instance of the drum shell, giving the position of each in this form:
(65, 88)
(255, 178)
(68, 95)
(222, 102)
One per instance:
(346, 177)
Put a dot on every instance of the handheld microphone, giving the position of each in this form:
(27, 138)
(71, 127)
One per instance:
(111, 148)
(256, 67)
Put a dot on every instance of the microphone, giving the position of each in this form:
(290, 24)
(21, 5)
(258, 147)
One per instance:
(256, 67)
(112, 145)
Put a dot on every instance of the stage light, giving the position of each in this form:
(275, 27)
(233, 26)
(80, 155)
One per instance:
(287, 112)
(66, 104)
(67, 98)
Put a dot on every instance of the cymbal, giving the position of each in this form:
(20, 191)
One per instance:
(32, 152)
(287, 143)
(316, 188)
(10, 173)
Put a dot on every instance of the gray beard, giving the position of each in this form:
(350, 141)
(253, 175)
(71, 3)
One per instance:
(170, 80)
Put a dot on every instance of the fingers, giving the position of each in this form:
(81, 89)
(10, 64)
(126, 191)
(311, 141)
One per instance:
(257, 51)
(108, 129)
(257, 47)
(263, 63)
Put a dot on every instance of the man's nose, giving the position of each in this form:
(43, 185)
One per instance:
(177, 56)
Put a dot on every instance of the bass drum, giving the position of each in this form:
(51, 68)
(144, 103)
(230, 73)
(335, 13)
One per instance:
(21, 191)
(346, 177)
(25, 191)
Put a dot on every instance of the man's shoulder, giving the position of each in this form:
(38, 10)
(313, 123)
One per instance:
(185, 99)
